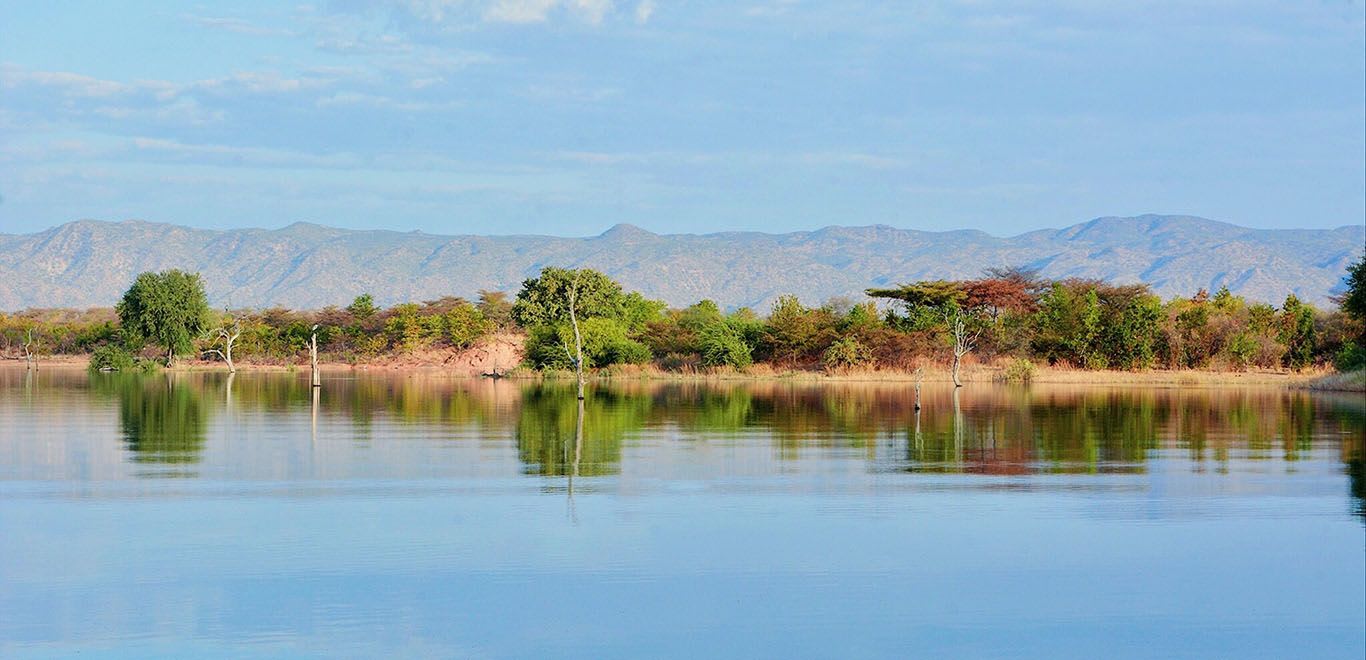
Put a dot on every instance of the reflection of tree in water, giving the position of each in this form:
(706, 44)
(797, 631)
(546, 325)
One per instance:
(1351, 420)
(705, 409)
(547, 422)
(163, 420)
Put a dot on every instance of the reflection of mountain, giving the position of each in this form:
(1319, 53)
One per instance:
(163, 419)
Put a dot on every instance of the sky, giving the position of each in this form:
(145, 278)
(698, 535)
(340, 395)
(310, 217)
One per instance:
(566, 117)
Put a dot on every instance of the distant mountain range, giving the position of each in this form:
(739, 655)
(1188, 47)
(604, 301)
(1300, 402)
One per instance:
(90, 263)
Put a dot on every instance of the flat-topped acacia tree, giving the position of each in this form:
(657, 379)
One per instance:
(168, 309)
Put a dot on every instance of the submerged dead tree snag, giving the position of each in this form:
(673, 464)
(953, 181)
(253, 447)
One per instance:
(313, 357)
(578, 337)
(30, 351)
(575, 358)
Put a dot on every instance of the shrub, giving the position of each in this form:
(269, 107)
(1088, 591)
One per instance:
(111, 358)
(627, 351)
(846, 353)
(1350, 358)
(1019, 370)
(466, 325)
(723, 346)
(604, 343)
(1242, 349)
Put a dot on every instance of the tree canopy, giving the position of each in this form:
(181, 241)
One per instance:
(168, 309)
(544, 300)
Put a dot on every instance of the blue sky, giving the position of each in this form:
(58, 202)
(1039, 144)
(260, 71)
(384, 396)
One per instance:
(568, 116)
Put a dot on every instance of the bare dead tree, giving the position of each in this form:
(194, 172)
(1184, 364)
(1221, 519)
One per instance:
(964, 340)
(577, 356)
(919, 378)
(313, 357)
(30, 351)
(228, 335)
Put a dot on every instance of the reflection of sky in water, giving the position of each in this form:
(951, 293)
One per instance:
(426, 516)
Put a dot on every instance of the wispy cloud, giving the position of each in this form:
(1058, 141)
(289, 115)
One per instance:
(519, 11)
(445, 12)
(236, 25)
(70, 84)
(644, 11)
(852, 158)
(386, 103)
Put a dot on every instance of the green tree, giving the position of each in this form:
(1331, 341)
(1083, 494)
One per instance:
(637, 311)
(167, 308)
(925, 303)
(1353, 301)
(363, 307)
(465, 325)
(409, 329)
(605, 342)
(495, 307)
(1297, 332)
(722, 344)
(794, 333)
(544, 300)
(1131, 342)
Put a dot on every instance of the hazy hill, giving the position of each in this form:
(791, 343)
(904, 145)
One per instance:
(90, 263)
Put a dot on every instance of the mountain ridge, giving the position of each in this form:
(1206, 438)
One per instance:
(87, 263)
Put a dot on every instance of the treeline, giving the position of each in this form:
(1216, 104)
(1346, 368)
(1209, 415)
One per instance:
(1011, 314)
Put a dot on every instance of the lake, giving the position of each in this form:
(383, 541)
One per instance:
(197, 515)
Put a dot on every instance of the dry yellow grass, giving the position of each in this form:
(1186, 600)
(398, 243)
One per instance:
(1352, 381)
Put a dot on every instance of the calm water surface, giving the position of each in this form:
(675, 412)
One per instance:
(190, 515)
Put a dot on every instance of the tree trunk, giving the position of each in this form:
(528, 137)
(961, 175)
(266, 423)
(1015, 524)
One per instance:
(578, 339)
(28, 352)
(313, 358)
(170, 356)
(578, 352)
(957, 359)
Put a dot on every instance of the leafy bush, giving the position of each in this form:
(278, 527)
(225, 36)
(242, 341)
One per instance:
(846, 353)
(466, 325)
(111, 358)
(604, 343)
(723, 346)
(1242, 349)
(1350, 358)
(1019, 370)
(629, 352)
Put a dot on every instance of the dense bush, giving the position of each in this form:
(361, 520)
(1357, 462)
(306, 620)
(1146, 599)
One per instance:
(1019, 370)
(1350, 358)
(846, 353)
(723, 345)
(605, 342)
(111, 358)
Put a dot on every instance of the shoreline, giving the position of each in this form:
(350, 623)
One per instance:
(1319, 380)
